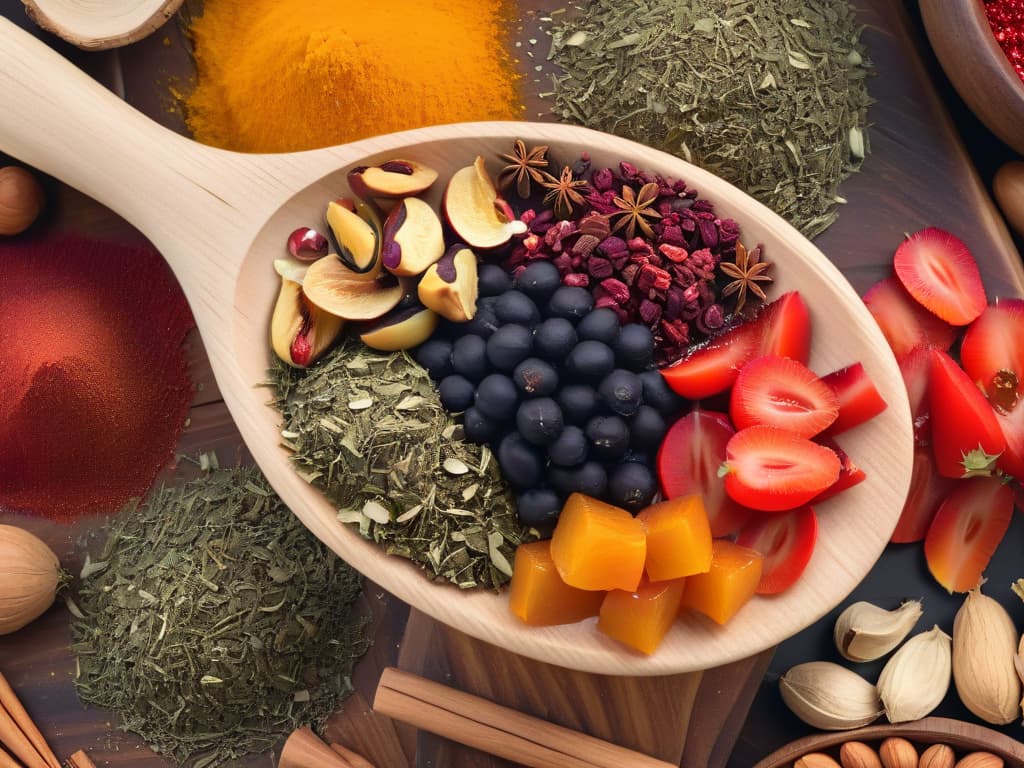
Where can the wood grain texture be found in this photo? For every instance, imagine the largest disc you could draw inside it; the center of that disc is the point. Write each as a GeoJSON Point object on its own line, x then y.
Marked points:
{"type": "Point", "coordinates": [979, 70]}
{"type": "Point", "coordinates": [234, 211]}
{"type": "Point", "coordinates": [97, 26]}
{"type": "Point", "coordinates": [963, 737]}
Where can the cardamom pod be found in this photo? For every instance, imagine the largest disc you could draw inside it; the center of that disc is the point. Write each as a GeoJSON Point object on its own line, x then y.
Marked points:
{"type": "Point", "coordinates": [829, 697]}
{"type": "Point", "coordinates": [984, 647]}
{"type": "Point", "coordinates": [915, 680]}
{"type": "Point", "coordinates": [865, 632]}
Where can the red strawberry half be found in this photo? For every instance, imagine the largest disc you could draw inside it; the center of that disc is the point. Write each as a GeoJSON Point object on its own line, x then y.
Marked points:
{"type": "Point", "coordinates": [786, 541]}
{"type": "Point", "coordinates": [784, 393]}
{"type": "Point", "coordinates": [939, 271]}
{"type": "Point", "coordinates": [992, 352]}
{"type": "Point", "coordinates": [905, 323]}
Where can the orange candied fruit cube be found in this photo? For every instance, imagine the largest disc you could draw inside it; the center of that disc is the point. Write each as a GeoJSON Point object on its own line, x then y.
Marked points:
{"type": "Point", "coordinates": [537, 594]}
{"type": "Point", "coordinates": [597, 546]}
{"type": "Point", "coordinates": [641, 619]}
{"type": "Point", "coordinates": [678, 538]}
{"type": "Point", "coordinates": [728, 585]}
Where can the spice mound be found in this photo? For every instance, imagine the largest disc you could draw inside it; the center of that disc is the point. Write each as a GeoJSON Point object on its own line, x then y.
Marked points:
{"type": "Point", "coordinates": [213, 622]}
{"type": "Point", "coordinates": [771, 96]}
{"type": "Point", "coordinates": [93, 373]}
{"type": "Point", "coordinates": [278, 76]}
{"type": "Point", "coordinates": [368, 429]}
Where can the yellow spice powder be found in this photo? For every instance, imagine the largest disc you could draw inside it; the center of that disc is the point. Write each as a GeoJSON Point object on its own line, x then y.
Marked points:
{"type": "Point", "coordinates": [286, 75]}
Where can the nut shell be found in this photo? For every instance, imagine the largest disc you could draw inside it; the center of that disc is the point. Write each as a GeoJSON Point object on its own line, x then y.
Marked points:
{"type": "Point", "coordinates": [21, 200]}
{"type": "Point", "coordinates": [857, 754]}
{"type": "Point", "coordinates": [937, 756]}
{"type": "Point", "coordinates": [980, 760]}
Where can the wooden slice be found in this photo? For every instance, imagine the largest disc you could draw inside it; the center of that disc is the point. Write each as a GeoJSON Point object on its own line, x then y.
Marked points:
{"type": "Point", "coordinates": [95, 26]}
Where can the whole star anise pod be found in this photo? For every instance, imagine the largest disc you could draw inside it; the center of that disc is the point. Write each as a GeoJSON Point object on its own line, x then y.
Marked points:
{"type": "Point", "coordinates": [635, 208]}
{"type": "Point", "coordinates": [747, 272]}
{"type": "Point", "coordinates": [523, 166]}
{"type": "Point", "coordinates": [563, 192]}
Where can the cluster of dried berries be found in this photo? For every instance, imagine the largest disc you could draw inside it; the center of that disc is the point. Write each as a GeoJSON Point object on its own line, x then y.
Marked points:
{"type": "Point", "coordinates": [645, 245]}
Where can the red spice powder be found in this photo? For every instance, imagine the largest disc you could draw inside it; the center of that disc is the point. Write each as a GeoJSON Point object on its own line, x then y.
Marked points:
{"type": "Point", "coordinates": [1006, 17]}
{"type": "Point", "coordinates": [94, 384]}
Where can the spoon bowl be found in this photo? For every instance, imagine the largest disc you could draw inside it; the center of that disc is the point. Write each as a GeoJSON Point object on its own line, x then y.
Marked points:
{"type": "Point", "coordinates": [221, 218]}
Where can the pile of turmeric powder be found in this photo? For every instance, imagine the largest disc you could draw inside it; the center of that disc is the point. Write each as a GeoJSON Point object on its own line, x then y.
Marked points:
{"type": "Point", "coordinates": [285, 75]}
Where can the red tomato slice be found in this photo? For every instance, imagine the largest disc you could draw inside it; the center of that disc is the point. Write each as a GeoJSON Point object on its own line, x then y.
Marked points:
{"type": "Point", "coordinates": [781, 328]}
{"type": "Point", "coordinates": [780, 392]}
{"type": "Point", "coordinates": [962, 419]}
{"type": "Point", "coordinates": [927, 491]}
{"type": "Point", "coordinates": [688, 462]}
{"type": "Point", "coordinates": [786, 541]}
{"type": "Point", "coordinates": [994, 344]}
{"type": "Point", "coordinates": [849, 473]}
{"type": "Point", "coordinates": [858, 398]}
{"type": "Point", "coordinates": [905, 323]}
{"type": "Point", "coordinates": [772, 470]}
{"type": "Point", "coordinates": [966, 530]}
{"type": "Point", "coordinates": [938, 270]}
{"type": "Point", "coordinates": [916, 369]}
{"type": "Point", "coordinates": [1012, 424]}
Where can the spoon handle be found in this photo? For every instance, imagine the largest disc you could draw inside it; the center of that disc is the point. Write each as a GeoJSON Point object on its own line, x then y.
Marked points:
{"type": "Point", "coordinates": [200, 206]}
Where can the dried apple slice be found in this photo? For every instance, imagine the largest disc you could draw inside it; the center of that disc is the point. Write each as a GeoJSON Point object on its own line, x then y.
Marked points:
{"type": "Point", "coordinates": [412, 238]}
{"type": "Point", "coordinates": [335, 288]}
{"type": "Point", "coordinates": [475, 211]}
{"type": "Point", "coordinates": [449, 287]}
{"type": "Point", "coordinates": [407, 325]}
{"type": "Point", "coordinates": [395, 178]}
{"type": "Point", "coordinates": [301, 332]}
{"type": "Point", "coordinates": [356, 230]}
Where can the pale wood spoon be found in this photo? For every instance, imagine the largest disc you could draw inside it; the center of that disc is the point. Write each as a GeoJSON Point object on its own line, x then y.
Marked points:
{"type": "Point", "coordinates": [221, 218]}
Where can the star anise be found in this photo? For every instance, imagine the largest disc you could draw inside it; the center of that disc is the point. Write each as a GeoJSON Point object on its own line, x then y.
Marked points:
{"type": "Point", "coordinates": [635, 208]}
{"type": "Point", "coordinates": [746, 273]}
{"type": "Point", "coordinates": [562, 192]}
{"type": "Point", "coordinates": [523, 165]}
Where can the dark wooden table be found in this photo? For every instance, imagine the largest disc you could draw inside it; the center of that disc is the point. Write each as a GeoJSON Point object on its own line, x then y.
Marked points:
{"type": "Point", "coordinates": [931, 164]}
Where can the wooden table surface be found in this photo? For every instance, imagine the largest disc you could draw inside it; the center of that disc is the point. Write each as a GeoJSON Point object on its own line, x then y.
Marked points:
{"type": "Point", "coordinates": [919, 173]}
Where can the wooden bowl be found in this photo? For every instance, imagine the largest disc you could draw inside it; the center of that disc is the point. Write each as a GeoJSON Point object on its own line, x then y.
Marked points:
{"type": "Point", "coordinates": [962, 737]}
{"type": "Point", "coordinates": [979, 70]}
{"type": "Point", "coordinates": [95, 25]}
{"type": "Point", "coordinates": [221, 218]}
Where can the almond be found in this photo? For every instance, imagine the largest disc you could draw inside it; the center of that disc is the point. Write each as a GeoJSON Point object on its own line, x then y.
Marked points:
{"type": "Point", "coordinates": [816, 760]}
{"type": "Point", "coordinates": [980, 760]}
{"type": "Point", "coordinates": [897, 753]}
{"type": "Point", "coordinates": [857, 754]}
{"type": "Point", "coordinates": [937, 756]}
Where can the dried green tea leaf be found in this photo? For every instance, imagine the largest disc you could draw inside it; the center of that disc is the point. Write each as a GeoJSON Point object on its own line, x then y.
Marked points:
{"type": "Point", "coordinates": [398, 469]}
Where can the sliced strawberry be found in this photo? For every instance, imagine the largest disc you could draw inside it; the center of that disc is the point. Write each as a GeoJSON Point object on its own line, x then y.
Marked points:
{"type": "Point", "coordinates": [849, 473]}
{"type": "Point", "coordinates": [786, 541]}
{"type": "Point", "coordinates": [691, 453]}
{"type": "Point", "coordinates": [927, 490]}
{"type": "Point", "coordinates": [965, 431]}
{"type": "Point", "coordinates": [858, 398]}
{"type": "Point", "coordinates": [916, 369]}
{"type": "Point", "coordinates": [992, 352]}
{"type": "Point", "coordinates": [783, 393]}
{"type": "Point", "coordinates": [938, 270]}
{"type": "Point", "coordinates": [905, 323]}
{"type": "Point", "coordinates": [1012, 459]}
{"type": "Point", "coordinates": [966, 530]}
{"type": "Point", "coordinates": [781, 328]}
{"type": "Point", "coordinates": [772, 470]}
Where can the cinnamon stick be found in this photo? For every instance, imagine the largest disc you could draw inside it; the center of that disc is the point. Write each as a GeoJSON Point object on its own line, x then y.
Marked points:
{"type": "Point", "coordinates": [6, 761]}
{"type": "Point", "coordinates": [354, 759]}
{"type": "Point", "coordinates": [495, 729]}
{"type": "Point", "coordinates": [12, 737]}
{"type": "Point", "coordinates": [81, 760]}
{"type": "Point", "coordinates": [10, 702]}
{"type": "Point", "coordinates": [304, 749]}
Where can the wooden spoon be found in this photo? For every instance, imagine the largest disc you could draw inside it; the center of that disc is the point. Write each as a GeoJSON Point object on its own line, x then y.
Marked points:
{"type": "Point", "coordinates": [97, 25]}
{"type": "Point", "coordinates": [221, 218]}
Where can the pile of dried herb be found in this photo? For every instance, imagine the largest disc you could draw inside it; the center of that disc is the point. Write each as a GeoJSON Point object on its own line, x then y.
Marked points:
{"type": "Point", "coordinates": [213, 622]}
{"type": "Point", "coordinates": [768, 94]}
{"type": "Point", "coordinates": [369, 430]}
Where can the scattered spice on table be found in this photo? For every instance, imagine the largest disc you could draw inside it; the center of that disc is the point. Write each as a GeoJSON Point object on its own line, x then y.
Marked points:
{"type": "Point", "coordinates": [369, 430]}
{"type": "Point", "coordinates": [769, 95]}
{"type": "Point", "coordinates": [277, 75]}
{"type": "Point", "coordinates": [213, 622]}
{"type": "Point", "coordinates": [1006, 17]}
{"type": "Point", "coordinates": [93, 375]}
